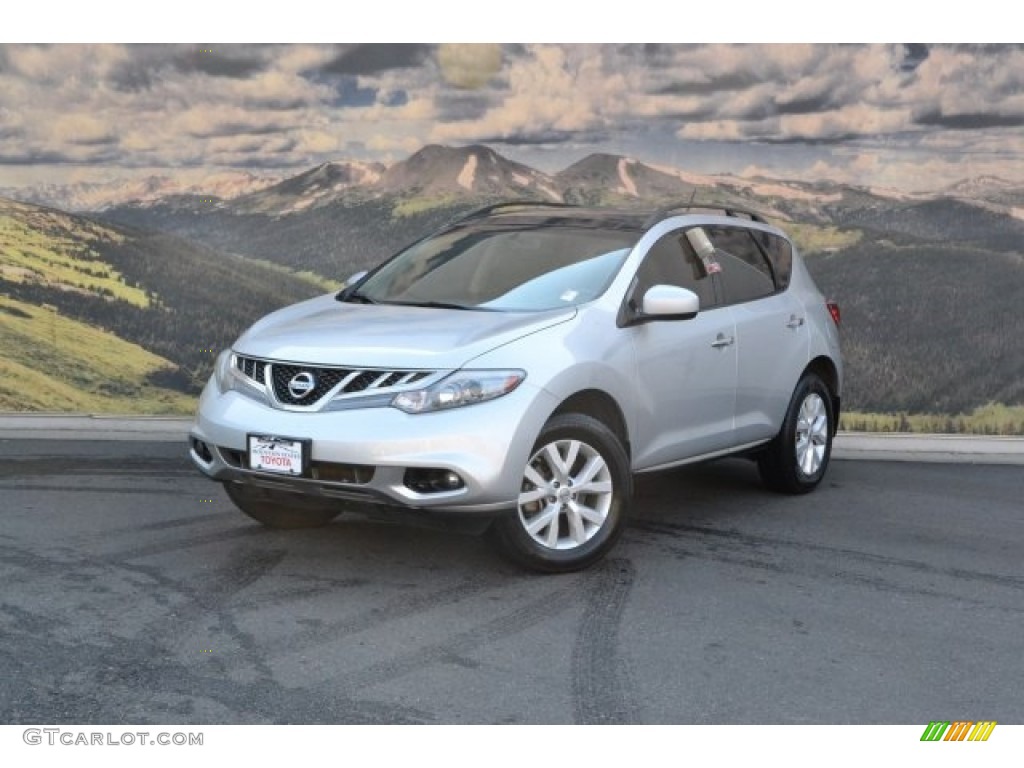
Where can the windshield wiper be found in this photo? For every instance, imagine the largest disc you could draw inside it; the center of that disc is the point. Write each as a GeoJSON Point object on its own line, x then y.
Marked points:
{"type": "Point", "coordinates": [436, 305]}
{"type": "Point", "coordinates": [357, 298]}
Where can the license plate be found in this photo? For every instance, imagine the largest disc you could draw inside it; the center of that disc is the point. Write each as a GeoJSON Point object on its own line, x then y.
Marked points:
{"type": "Point", "coordinates": [277, 454]}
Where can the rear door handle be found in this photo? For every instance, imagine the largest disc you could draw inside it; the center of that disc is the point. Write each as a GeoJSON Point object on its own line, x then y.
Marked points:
{"type": "Point", "coordinates": [794, 322]}
{"type": "Point", "coordinates": [723, 341]}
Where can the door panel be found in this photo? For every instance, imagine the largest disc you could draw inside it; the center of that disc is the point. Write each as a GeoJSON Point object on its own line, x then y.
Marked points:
{"type": "Point", "coordinates": [685, 387]}
{"type": "Point", "coordinates": [685, 369]}
{"type": "Point", "coordinates": [772, 344]}
{"type": "Point", "coordinates": [771, 331]}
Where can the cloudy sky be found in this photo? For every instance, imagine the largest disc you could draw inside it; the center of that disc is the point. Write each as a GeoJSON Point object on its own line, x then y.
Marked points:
{"type": "Point", "coordinates": [906, 116]}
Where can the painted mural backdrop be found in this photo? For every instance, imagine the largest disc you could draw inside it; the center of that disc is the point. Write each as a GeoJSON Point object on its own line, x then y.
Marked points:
{"type": "Point", "coordinates": [155, 199]}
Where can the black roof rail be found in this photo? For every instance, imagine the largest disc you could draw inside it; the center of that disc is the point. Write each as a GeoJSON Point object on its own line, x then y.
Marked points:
{"type": "Point", "coordinates": [478, 212]}
{"type": "Point", "coordinates": [728, 210]}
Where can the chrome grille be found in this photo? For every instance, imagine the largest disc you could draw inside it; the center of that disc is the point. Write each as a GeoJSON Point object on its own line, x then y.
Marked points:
{"type": "Point", "coordinates": [325, 379]}
{"type": "Point", "coordinates": [251, 368]}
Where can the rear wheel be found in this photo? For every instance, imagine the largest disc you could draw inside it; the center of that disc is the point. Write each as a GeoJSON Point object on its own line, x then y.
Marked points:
{"type": "Point", "coordinates": [796, 460]}
{"type": "Point", "coordinates": [573, 499]}
{"type": "Point", "coordinates": [278, 509]}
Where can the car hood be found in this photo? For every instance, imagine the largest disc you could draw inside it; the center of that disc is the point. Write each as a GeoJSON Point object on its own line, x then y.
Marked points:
{"type": "Point", "coordinates": [324, 331]}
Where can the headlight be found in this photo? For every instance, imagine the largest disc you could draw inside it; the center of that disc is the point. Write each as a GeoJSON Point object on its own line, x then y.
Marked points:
{"type": "Point", "coordinates": [459, 389]}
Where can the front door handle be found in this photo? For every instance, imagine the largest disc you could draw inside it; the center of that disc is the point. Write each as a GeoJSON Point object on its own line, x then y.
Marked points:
{"type": "Point", "coordinates": [794, 322]}
{"type": "Point", "coordinates": [723, 341]}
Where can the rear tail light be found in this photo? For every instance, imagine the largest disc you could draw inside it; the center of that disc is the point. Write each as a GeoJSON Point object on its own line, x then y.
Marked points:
{"type": "Point", "coordinates": [833, 309]}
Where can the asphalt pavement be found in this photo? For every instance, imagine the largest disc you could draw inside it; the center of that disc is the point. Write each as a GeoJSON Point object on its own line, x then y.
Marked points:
{"type": "Point", "coordinates": [133, 592]}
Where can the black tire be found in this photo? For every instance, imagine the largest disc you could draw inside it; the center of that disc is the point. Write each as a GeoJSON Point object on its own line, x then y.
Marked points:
{"type": "Point", "coordinates": [279, 509]}
{"type": "Point", "coordinates": [789, 464]}
{"type": "Point", "coordinates": [582, 525]}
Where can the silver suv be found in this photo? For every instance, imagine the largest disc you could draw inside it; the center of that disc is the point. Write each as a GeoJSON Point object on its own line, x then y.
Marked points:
{"type": "Point", "coordinates": [518, 367]}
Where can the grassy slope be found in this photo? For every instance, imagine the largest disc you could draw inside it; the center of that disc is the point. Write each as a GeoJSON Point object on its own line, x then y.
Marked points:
{"type": "Point", "coordinates": [991, 419]}
{"type": "Point", "coordinates": [52, 363]}
{"type": "Point", "coordinates": [816, 238]}
{"type": "Point", "coordinates": [100, 318]}
{"type": "Point", "coordinates": [35, 245]}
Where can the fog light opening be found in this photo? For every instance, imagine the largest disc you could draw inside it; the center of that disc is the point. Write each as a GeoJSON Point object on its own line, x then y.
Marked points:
{"type": "Point", "coordinates": [433, 480]}
{"type": "Point", "coordinates": [202, 450]}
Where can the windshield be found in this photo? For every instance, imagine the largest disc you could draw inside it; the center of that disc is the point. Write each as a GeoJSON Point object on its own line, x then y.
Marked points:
{"type": "Point", "coordinates": [504, 268]}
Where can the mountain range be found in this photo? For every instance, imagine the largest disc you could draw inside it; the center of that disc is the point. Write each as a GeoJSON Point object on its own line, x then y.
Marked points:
{"type": "Point", "coordinates": [86, 196]}
{"type": "Point", "coordinates": [929, 284]}
{"type": "Point", "coordinates": [476, 171]}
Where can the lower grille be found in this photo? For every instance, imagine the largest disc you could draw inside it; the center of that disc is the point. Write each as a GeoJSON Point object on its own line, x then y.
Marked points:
{"type": "Point", "coordinates": [326, 471]}
{"type": "Point", "coordinates": [353, 474]}
{"type": "Point", "coordinates": [233, 458]}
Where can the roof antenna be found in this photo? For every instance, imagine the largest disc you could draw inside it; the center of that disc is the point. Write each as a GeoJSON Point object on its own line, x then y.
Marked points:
{"type": "Point", "coordinates": [693, 194]}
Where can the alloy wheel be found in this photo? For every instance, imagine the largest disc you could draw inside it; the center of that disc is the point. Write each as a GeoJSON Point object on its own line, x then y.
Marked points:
{"type": "Point", "coordinates": [566, 494]}
{"type": "Point", "coordinates": [811, 434]}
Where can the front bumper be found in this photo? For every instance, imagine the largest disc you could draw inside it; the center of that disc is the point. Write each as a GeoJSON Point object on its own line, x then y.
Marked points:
{"type": "Point", "coordinates": [363, 455]}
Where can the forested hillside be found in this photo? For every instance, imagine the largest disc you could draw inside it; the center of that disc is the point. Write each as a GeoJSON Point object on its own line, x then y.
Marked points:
{"type": "Point", "coordinates": [333, 240]}
{"type": "Point", "coordinates": [927, 328]}
{"type": "Point", "coordinates": [161, 294]}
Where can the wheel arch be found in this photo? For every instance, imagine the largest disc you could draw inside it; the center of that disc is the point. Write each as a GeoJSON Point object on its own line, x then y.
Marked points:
{"type": "Point", "coordinates": [599, 405]}
{"type": "Point", "coordinates": [826, 370]}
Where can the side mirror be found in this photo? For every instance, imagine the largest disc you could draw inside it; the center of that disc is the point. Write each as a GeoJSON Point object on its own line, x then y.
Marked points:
{"type": "Point", "coordinates": [669, 302]}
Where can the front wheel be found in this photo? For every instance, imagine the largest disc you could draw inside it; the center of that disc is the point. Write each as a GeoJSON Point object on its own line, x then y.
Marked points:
{"type": "Point", "coordinates": [573, 499]}
{"type": "Point", "coordinates": [279, 509]}
{"type": "Point", "coordinates": [796, 460]}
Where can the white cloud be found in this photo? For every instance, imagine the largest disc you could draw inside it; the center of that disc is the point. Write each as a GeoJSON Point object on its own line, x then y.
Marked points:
{"type": "Point", "coordinates": [848, 120]}
{"type": "Point", "coordinates": [714, 130]}
{"type": "Point", "coordinates": [388, 145]}
{"type": "Point", "coordinates": [469, 65]}
{"type": "Point", "coordinates": [78, 128]}
{"type": "Point", "coordinates": [157, 106]}
{"type": "Point", "coordinates": [316, 142]}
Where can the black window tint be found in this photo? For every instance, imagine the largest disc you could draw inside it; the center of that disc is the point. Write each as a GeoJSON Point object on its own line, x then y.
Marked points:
{"type": "Point", "coordinates": [780, 253]}
{"type": "Point", "coordinates": [745, 275]}
{"type": "Point", "coordinates": [672, 261]}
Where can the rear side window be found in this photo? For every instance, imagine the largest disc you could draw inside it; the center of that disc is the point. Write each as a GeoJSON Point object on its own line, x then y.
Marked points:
{"type": "Point", "coordinates": [745, 272]}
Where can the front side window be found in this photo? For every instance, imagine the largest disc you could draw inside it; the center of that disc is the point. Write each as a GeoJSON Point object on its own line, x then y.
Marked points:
{"type": "Point", "coordinates": [672, 261]}
{"type": "Point", "coordinates": [505, 267]}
